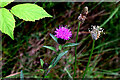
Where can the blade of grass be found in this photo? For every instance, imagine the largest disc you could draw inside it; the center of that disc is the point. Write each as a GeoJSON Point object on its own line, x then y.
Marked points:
{"type": "Point", "coordinates": [96, 6]}
{"type": "Point", "coordinates": [59, 57]}
{"type": "Point", "coordinates": [68, 73]}
{"type": "Point", "coordinates": [21, 75]}
{"type": "Point", "coordinates": [113, 13]}
{"type": "Point", "coordinates": [101, 45]}
{"type": "Point", "coordinates": [56, 61]}
{"type": "Point", "coordinates": [106, 43]}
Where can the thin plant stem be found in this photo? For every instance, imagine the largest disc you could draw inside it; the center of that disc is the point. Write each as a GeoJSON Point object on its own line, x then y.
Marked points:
{"type": "Point", "coordinates": [89, 59]}
{"type": "Point", "coordinates": [45, 74]}
{"type": "Point", "coordinates": [20, 23]}
{"type": "Point", "coordinates": [76, 51]}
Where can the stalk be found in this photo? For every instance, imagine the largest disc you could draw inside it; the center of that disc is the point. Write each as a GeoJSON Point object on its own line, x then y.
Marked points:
{"type": "Point", "coordinates": [89, 59]}
{"type": "Point", "coordinates": [76, 51]}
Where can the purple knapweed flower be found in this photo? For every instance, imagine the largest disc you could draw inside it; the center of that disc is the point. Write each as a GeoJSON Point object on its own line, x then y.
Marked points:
{"type": "Point", "coordinates": [63, 33]}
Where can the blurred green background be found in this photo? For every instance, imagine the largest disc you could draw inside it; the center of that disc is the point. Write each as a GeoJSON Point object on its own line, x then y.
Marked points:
{"type": "Point", "coordinates": [25, 51]}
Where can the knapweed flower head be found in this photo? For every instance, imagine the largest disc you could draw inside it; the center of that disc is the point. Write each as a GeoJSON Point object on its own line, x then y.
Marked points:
{"type": "Point", "coordinates": [95, 32]}
{"type": "Point", "coordinates": [63, 33]}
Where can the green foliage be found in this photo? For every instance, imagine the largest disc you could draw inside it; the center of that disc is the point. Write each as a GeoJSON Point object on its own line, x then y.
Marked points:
{"type": "Point", "coordinates": [113, 13]}
{"type": "Point", "coordinates": [52, 61]}
{"type": "Point", "coordinates": [49, 66]}
{"type": "Point", "coordinates": [7, 22]}
{"type": "Point", "coordinates": [42, 70]}
{"type": "Point", "coordinates": [54, 38]}
{"type": "Point", "coordinates": [4, 3]}
{"type": "Point", "coordinates": [60, 47]}
{"type": "Point", "coordinates": [106, 48]}
{"type": "Point", "coordinates": [68, 73]}
{"type": "Point", "coordinates": [29, 12]}
{"type": "Point", "coordinates": [58, 57]}
{"type": "Point", "coordinates": [51, 48]}
{"type": "Point", "coordinates": [21, 75]}
{"type": "Point", "coordinates": [70, 44]}
{"type": "Point", "coordinates": [42, 62]}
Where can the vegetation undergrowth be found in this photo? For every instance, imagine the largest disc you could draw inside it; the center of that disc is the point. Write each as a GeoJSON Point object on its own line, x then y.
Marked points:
{"type": "Point", "coordinates": [34, 49]}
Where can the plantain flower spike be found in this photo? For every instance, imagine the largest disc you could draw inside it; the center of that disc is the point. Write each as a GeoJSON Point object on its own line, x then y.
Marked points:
{"type": "Point", "coordinates": [95, 32]}
{"type": "Point", "coordinates": [83, 15]}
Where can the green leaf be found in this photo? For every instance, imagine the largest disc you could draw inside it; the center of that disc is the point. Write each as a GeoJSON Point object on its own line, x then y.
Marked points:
{"type": "Point", "coordinates": [29, 12]}
{"type": "Point", "coordinates": [71, 44]}
{"type": "Point", "coordinates": [52, 61]}
{"type": "Point", "coordinates": [68, 73]}
{"type": "Point", "coordinates": [42, 62]}
{"type": "Point", "coordinates": [51, 48]}
{"type": "Point", "coordinates": [60, 47]}
{"type": "Point", "coordinates": [58, 58]}
{"type": "Point", "coordinates": [55, 39]}
{"type": "Point", "coordinates": [49, 66]}
{"type": "Point", "coordinates": [21, 75]}
{"type": "Point", "coordinates": [47, 77]}
{"type": "Point", "coordinates": [4, 3]}
{"type": "Point", "coordinates": [7, 22]}
{"type": "Point", "coordinates": [42, 70]}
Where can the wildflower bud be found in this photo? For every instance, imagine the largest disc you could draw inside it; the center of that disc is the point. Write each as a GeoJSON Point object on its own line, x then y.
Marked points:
{"type": "Point", "coordinates": [95, 32]}
{"type": "Point", "coordinates": [85, 11]}
{"type": "Point", "coordinates": [81, 18]}
{"type": "Point", "coordinates": [83, 15]}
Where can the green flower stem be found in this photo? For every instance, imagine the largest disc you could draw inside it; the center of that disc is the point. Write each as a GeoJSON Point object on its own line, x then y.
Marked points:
{"type": "Point", "coordinates": [76, 52]}
{"type": "Point", "coordinates": [89, 59]}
